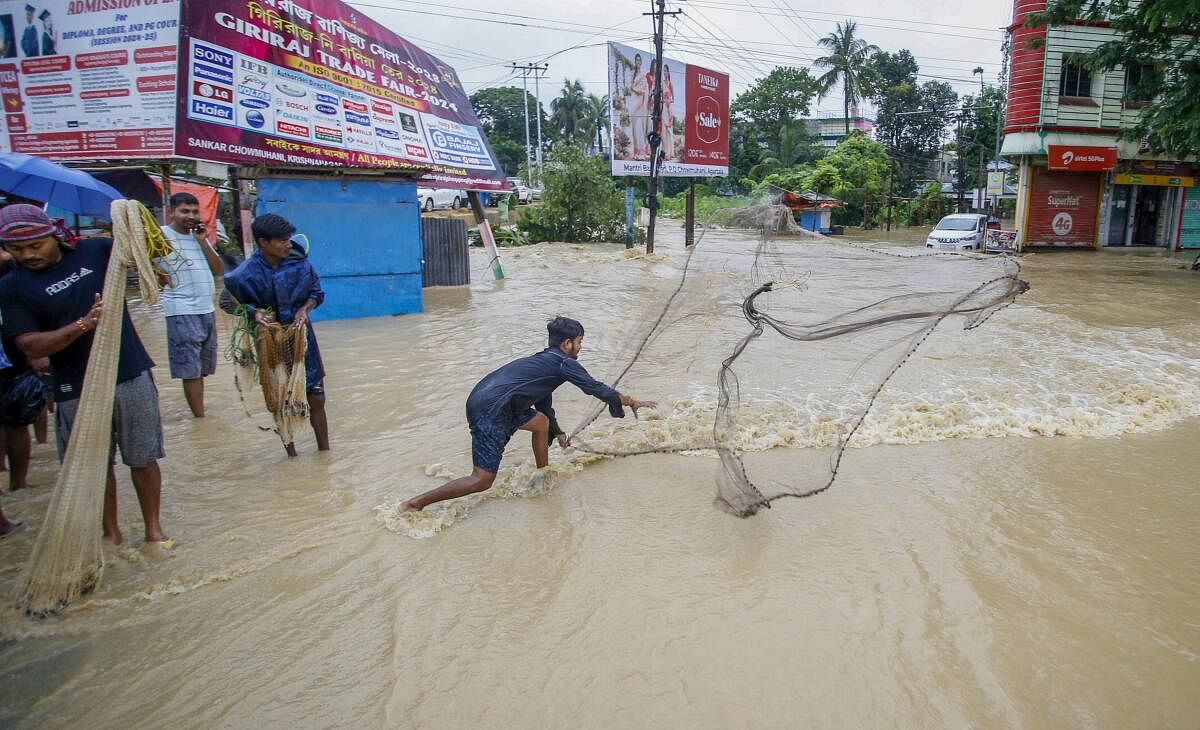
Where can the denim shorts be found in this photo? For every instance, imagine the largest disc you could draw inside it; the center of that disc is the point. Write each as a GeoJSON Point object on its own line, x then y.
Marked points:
{"type": "Point", "coordinates": [490, 434]}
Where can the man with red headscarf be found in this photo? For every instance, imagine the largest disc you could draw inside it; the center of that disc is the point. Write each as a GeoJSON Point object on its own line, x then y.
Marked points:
{"type": "Point", "coordinates": [51, 306]}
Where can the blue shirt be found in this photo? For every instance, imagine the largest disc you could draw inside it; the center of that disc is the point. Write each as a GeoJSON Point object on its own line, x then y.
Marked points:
{"type": "Point", "coordinates": [530, 381]}
{"type": "Point", "coordinates": [283, 289]}
{"type": "Point", "coordinates": [45, 300]}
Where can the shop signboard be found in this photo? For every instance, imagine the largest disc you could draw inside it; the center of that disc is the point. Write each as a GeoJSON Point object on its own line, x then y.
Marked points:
{"type": "Point", "coordinates": [695, 115]}
{"type": "Point", "coordinates": [1063, 208]}
{"type": "Point", "coordinates": [1081, 158]}
{"type": "Point", "coordinates": [995, 183]}
{"type": "Point", "coordinates": [999, 241]}
{"type": "Point", "coordinates": [88, 79]}
{"type": "Point", "coordinates": [1172, 181]}
{"type": "Point", "coordinates": [1189, 229]}
{"type": "Point", "coordinates": [316, 82]}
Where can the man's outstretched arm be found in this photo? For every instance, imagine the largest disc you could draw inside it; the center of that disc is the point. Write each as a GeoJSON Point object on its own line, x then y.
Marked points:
{"type": "Point", "coordinates": [577, 375]}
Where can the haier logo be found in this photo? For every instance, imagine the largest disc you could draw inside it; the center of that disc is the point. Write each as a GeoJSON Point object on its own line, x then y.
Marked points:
{"type": "Point", "coordinates": [67, 282]}
{"type": "Point", "coordinates": [208, 109]}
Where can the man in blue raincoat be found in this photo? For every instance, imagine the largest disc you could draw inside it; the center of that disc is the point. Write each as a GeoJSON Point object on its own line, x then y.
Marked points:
{"type": "Point", "coordinates": [279, 284]}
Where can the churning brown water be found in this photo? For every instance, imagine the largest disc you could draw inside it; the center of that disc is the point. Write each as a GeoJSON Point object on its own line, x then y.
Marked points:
{"type": "Point", "coordinates": [1012, 541]}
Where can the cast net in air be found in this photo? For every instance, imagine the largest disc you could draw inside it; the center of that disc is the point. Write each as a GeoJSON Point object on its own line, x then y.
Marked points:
{"type": "Point", "coordinates": [815, 341]}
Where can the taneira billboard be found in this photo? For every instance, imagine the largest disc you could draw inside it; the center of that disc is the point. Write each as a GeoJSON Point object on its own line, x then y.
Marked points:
{"type": "Point", "coordinates": [88, 79]}
{"type": "Point", "coordinates": [695, 115]}
{"type": "Point", "coordinates": [317, 83]}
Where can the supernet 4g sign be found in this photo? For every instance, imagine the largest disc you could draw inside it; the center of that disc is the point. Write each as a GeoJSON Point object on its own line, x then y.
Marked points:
{"type": "Point", "coordinates": [695, 115]}
{"type": "Point", "coordinates": [88, 79]}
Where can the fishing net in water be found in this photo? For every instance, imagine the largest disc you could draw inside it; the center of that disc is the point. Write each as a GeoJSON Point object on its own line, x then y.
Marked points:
{"type": "Point", "coordinates": [791, 340]}
{"type": "Point", "coordinates": [67, 557]}
{"type": "Point", "coordinates": [275, 354]}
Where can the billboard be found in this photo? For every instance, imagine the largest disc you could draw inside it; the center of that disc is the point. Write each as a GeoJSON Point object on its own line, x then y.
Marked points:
{"type": "Point", "coordinates": [88, 79]}
{"type": "Point", "coordinates": [315, 82]}
{"type": "Point", "coordinates": [695, 115]}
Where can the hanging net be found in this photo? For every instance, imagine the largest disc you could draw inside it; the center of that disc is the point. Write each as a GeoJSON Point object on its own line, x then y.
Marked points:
{"type": "Point", "coordinates": [815, 335]}
{"type": "Point", "coordinates": [274, 355]}
{"type": "Point", "coordinates": [67, 558]}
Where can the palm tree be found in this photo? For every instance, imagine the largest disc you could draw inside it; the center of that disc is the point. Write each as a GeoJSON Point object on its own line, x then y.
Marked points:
{"type": "Point", "coordinates": [597, 119]}
{"type": "Point", "coordinates": [569, 111]}
{"type": "Point", "coordinates": [848, 62]}
{"type": "Point", "coordinates": [791, 149]}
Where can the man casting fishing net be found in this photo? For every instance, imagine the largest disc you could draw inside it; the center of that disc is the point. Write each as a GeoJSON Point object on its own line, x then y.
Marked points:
{"type": "Point", "coordinates": [518, 396]}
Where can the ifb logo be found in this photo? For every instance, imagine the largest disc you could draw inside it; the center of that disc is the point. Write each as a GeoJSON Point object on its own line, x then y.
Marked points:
{"type": "Point", "coordinates": [1062, 223]}
{"type": "Point", "coordinates": [1067, 158]}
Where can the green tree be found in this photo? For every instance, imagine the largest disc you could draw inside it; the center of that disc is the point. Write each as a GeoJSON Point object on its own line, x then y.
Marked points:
{"type": "Point", "coordinates": [580, 203]}
{"type": "Point", "coordinates": [596, 120]}
{"type": "Point", "coordinates": [793, 145]}
{"type": "Point", "coordinates": [569, 112]}
{"type": "Point", "coordinates": [979, 129]}
{"type": "Point", "coordinates": [912, 140]}
{"type": "Point", "coordinates": [1162, 38]}
{"type": "Point", "coordinates": [848, 62]}
{"type": "Point", "coordinates": [855, 172]}
{"type": "Point", "coordinates": [503, 121]}
{"type": "Point", "coordinates": [775, 101]}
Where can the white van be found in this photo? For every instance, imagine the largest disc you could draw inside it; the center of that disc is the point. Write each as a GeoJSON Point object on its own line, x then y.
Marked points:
{"type": "Point", "coordinates": [959, 232]}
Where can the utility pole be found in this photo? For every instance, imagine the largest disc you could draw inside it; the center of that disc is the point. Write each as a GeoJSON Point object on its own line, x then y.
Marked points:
{"type": "Point", "coordinates": [962, 173]}
{"type": "Point", "coordinates": [537, 98]}
{"type": "Point", "coordinates": [654, 137]}
{"type": "Point", "coordinates": [525, 70]}
{"type": "Point", "coordinates": [982, 179]}
{"type": "Point", "coordinates": [996, 160]}
{"type": "Point", "coordinates": [525, 107]}
{"type": "Point", "coordinates": [891, 193]}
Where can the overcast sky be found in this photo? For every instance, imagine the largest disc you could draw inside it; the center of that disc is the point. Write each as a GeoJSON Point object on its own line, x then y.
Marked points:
{"type": "Point", "coordinates": [746, 40]}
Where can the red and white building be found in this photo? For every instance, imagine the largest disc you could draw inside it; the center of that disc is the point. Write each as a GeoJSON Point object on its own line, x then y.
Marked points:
{"type": "Point", "coordinates": [1080, 184]}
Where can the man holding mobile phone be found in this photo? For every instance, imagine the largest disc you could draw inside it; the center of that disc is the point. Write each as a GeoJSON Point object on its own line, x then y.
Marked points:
{"type": "Point", "coordinates": [188, 299]}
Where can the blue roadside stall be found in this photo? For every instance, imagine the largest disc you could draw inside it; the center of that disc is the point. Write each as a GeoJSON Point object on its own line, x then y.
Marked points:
{"type": "Point", "coordinates": [364, 232]}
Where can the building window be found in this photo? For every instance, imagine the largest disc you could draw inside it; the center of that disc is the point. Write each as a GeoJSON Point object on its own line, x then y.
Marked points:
{"type": "Point", "coordinates": [1134, 76]}
{"type": "Point", "coordinates": [1075, 80]}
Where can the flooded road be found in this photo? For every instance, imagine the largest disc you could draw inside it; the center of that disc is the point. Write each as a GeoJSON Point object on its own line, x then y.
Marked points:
{"type": "Point", "coordinates": [1012, 540]}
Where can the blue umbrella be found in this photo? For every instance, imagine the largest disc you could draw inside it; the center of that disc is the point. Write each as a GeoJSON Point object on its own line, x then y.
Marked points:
{"type": "Point", "coordinates": [40, 179]}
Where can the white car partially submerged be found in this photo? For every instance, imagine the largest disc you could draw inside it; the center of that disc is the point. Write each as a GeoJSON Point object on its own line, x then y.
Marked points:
{"type": "Point", "coordinates": [958, 232]}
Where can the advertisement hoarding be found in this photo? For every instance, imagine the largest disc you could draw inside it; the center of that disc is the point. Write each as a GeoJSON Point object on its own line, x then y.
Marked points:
{"type": "Point", "coordinates": [695, 115]}
{"type": "Point", "coordinates": [315, 82]}
{"type": "Point", "coordinates": [1079, 158]}
{"type": "Point", "coordinates": [81, 81]}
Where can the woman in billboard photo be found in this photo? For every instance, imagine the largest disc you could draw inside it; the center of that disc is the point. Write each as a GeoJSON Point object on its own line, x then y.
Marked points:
{"type": "Point", "coordinates": [637, 108]}
{"type": "Point", "coordinates": [667, 123]}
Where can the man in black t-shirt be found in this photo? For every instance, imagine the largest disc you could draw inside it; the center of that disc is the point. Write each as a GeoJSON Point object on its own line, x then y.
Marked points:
{"type": "Point", "coordinates": [51, 306]}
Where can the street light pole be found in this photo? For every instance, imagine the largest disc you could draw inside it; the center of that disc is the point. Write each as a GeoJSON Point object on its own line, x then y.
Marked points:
{"type": "Point", "coordinates": [982, 181]}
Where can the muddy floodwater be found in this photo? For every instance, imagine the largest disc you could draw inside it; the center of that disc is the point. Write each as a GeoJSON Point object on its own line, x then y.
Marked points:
{"type": "Point", "coordinates": [1013, 539]}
